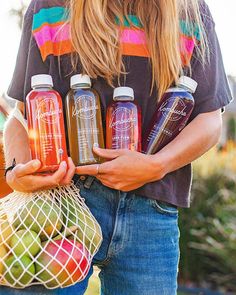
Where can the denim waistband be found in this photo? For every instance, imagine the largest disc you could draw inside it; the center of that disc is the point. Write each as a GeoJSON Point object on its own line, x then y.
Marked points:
{"type": "Point", "coordinates": [87, 181]}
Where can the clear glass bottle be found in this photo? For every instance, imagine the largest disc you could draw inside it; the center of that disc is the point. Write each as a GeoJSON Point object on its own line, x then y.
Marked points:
{"type": "Point", "coordinates": [46, 124]}
{"type": "Point", "coordinates": [84, 121]}
{"type": "Point", "coordinates": [172, 114]}
{"type": "Point", "coordinates": [123, 121]}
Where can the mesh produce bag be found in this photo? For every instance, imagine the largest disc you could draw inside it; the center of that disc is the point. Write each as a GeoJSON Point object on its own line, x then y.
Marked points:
{"type": "Point", "coordinates": [47, 238]}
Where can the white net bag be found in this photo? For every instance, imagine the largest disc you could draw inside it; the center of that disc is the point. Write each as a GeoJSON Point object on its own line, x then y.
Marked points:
{"type": "Point", "coordinates": [47, 238]}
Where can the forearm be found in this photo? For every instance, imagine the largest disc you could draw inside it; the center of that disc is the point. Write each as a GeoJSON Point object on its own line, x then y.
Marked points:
{"type": "Point", "coordinates": [196, 139]}
{"type": "Point", "coordinates": [16, 144]}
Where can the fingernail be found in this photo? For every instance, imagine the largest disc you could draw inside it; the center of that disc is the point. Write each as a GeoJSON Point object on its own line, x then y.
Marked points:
{"type": "Point", "coordinates": [64, 165]}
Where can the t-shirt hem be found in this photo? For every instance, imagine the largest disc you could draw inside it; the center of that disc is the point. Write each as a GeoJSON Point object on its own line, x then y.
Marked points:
{"type": "Point", "coordinates": [167, 197]}
{"type": "Point", "coordinates": [211, 106]}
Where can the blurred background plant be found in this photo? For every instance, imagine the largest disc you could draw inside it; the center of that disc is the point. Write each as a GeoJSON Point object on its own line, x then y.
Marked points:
{"type": "Point", "coordinates": [19, 12]}
{"type": "Point", "coordinates": [208, 228]}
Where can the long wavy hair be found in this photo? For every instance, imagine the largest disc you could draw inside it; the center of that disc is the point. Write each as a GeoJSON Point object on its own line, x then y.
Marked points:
{"type": "Point", "coordinates": [95, 36]}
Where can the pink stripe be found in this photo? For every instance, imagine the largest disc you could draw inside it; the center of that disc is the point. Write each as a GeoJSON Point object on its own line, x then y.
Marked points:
{"type": "Point", "coordinates": [187, 45]}
{"type": "Point", "coordinates": [54, 34]}
{"type": "Point", "coordinates": [133, 36]}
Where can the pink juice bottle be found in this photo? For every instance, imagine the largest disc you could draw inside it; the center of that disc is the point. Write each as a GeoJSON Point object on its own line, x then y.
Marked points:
{"type": "Point", "coordinates": [123, 121]}
{"type": "Point", "coordinates": [46, 124]}
{"type": "Point", "coordinates": [172, 114]}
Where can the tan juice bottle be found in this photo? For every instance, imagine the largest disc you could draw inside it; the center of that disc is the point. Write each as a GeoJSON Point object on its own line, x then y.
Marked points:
{"type": "Point", "coordinates": [84, 121]}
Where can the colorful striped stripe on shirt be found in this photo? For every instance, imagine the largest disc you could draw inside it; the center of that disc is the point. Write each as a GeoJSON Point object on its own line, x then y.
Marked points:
{"type": "Point", "coordinates": [52, 34]}
{"type": "Point", "coordinates": [51, 31]}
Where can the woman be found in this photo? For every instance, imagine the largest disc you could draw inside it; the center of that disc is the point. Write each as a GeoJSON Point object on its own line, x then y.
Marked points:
{"type": "Point", "coordinates": [135, 197]}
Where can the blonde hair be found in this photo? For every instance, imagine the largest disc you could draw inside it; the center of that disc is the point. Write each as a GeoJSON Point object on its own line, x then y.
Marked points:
{"type": "Point", "coordinates": [95, 36]}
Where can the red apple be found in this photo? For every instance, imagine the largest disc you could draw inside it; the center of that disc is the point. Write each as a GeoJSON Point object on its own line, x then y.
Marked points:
{"type": "Point", "coordinates": [62, 263]}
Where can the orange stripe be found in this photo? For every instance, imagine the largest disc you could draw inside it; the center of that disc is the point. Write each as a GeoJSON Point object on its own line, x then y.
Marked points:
{"type": "Point", "coordinates": [186, 59]}
{"type": "Point", "coordinates": [134, 50]}
{"type": "Point", "coordinates": [48, 24]}
{"type": "Point", "coordinates": [57, 49]}
{"type": "Point", "coordinates": [65, 47]}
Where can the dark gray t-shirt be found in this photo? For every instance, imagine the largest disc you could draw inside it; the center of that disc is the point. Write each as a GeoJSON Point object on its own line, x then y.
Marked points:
{"type": "Point", "coordinates": [45, 48]}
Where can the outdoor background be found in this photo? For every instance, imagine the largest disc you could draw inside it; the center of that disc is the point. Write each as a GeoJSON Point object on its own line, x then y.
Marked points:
{"type": "Point", "coordinates": [208, 229]}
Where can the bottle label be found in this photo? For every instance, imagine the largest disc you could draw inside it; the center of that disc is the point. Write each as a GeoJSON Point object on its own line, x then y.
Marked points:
{"type": "Point", "coordinates": [174, 108]}
{"type": "Point", "coordinates": [48, 111]}
{"type": "Point", "coordinates": [122, 119]}
{"type": "Point", "coordinates": [85, 107]}
{"type": "Point", "coordinates": [157, 130]}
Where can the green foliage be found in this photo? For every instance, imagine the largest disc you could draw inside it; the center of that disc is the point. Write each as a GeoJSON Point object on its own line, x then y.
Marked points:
{"type": "Point", "coordinates": [208, 232]}
{"type": "Point", "coordinates": [231, 129]}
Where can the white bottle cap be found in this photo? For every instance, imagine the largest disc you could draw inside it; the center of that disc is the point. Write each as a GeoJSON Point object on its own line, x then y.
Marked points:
{"type": "Point", "coordinates": [80, 79]}
{"type": "Point", "coordinates": [41, 80]}
{"type": "Point", "coordinates": [120, 92]}
{"type": "Point", "coordinates": [188, 83]}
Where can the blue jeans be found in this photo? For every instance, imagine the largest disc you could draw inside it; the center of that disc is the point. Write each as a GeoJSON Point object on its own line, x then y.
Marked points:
{"type": "Point", "coordinates": [139, 254]}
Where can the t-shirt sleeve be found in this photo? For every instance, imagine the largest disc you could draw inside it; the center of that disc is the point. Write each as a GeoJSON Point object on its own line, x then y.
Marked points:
{"type": "Point", "coordinates": [29, 61]}
{"type": "Point", "coordinates": [213, 90]}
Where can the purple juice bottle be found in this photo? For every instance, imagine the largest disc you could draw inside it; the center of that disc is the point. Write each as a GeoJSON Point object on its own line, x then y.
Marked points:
{"type": "Point", "coordinates": [172, 114]}
{"type": "Point", "coordinates": [123, 121]}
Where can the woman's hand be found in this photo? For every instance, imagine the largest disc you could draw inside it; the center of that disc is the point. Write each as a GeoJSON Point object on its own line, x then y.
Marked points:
{"type": "Point", "coordinates": [22, 177]}
{"type": "Point", "coordinates": [126, 171]}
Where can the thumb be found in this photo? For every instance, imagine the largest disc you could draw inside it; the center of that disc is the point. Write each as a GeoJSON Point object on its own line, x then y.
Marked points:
{"type": "Point", "coordinates": [108, 153]}
{"type": "Point", "coordinates": [28, 168]}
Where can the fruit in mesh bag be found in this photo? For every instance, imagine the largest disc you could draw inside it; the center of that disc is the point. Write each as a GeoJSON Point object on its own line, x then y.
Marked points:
{"type": "Point", "coordinates": [19, 271]}
{"type": "Point", "coordinates": [62, 263]}
{"type": "Point", "coordinates": [6, 230]}
{"type": "Point", "coordinates": [42, 216]}
{"type": "Point", "coordinates": [3, 255]}
{"type": "Point", "coordinates": [26, 242]}
{"type": "Point", "coordinates": [89, 231]}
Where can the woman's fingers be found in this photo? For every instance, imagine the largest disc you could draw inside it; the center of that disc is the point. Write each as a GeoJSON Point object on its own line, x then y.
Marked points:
{"type": "Point", "coordinates": [26, 169]}
{"type": "Point", "coordinates": [57, 176]}
{"type": "Point", "coordinates": [22, 177]}
{"type": "Point", "coordinates": [34, 182]}
{"type": "Point", "coordinates": [109, 153]}
{"type": "Point", "coordinates": [89, 169]}
{"type": "Point", "coordinates": [70, 173]}
{"type": "Point", "coordinates": [108, 184]}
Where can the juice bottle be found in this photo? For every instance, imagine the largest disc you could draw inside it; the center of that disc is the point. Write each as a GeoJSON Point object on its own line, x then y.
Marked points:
{"type": "Point", "coordinates": [46, 124]}
{"type": "Point", "coordinates": [123, 121]}
{"type": "Point", "coordinates": [172, 114]}
{"type": "Point", "coordinates": [84, 121]}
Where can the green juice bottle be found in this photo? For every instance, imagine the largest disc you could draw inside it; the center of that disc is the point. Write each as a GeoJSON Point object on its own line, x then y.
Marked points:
{"type": "Point", "coordinates": [84, 121]}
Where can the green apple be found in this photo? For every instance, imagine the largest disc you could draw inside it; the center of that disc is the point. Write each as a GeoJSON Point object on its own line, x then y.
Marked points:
{"type": "Point", "coordinates": [42, 216]}
{"type": "Point", "coordinates": [26, 242]}
{"type": "Point", "coordinates": [19, 269]}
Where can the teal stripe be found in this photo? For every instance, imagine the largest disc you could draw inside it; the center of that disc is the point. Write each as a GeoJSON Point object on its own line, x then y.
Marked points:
{"type": "Point", "coordinates": [190, 29]}
{"type": "Point", "coordinates": [131, 21]}
{"type": "Point", "coordinates": [50, 15]}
